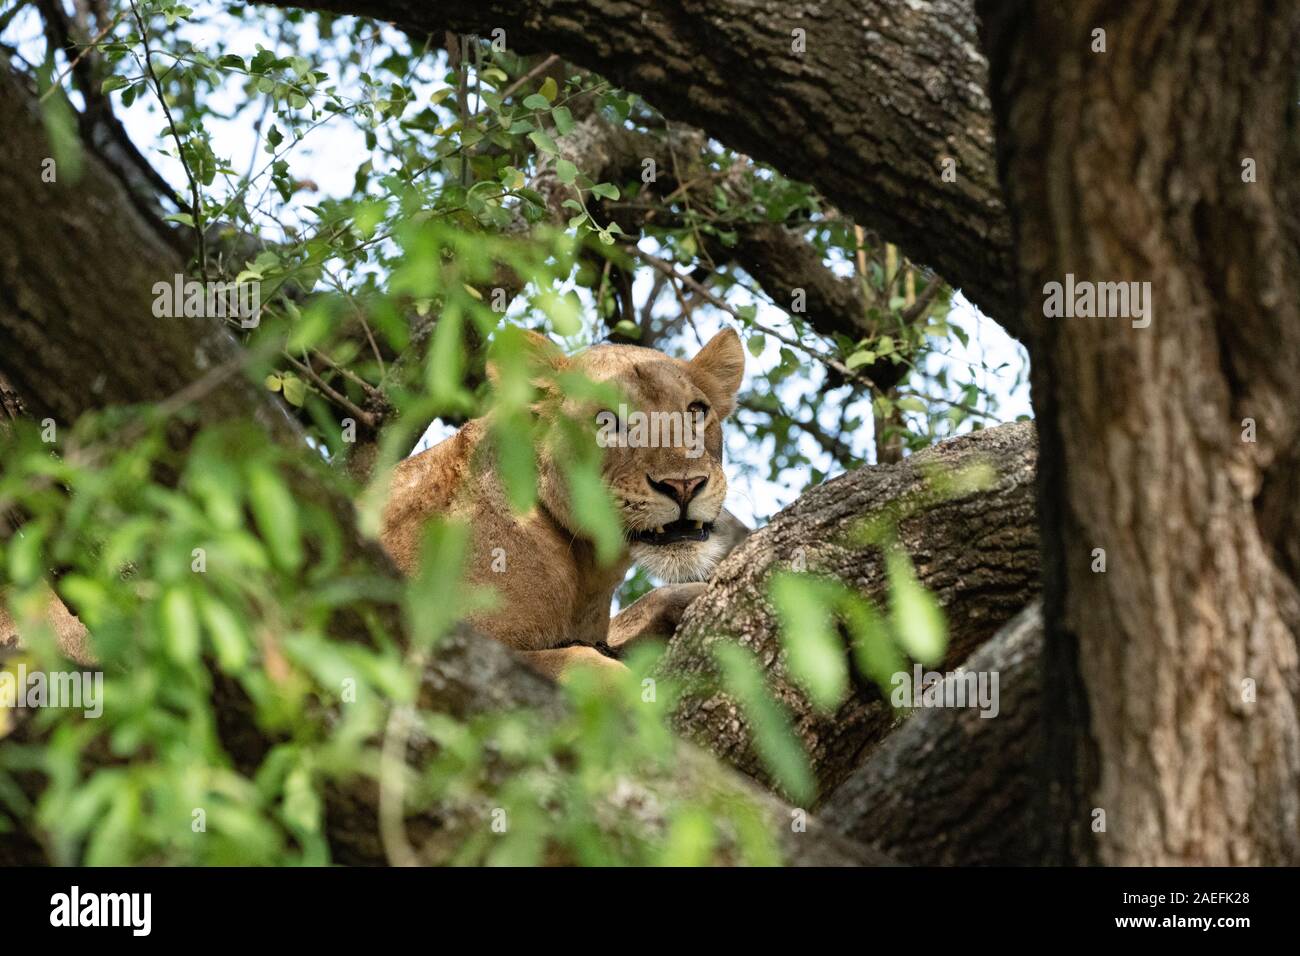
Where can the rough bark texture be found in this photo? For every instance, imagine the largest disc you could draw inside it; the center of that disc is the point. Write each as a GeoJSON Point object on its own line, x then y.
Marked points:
{"type": "Point", "coordinates": [1127, 165]}
{"type": "Point", "coordinates": [977, 552]}
{"type": "Point", "coordinates": [50, 342]}
{"type": "Point", "coordinates": [884, 90]}
{"type": "Point", "coordinates": [77, 270]}
{"type": "Point", "coordinates": [950, 787]}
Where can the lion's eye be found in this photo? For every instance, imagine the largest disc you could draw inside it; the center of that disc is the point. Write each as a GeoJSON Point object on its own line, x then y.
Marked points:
{"type": "Point", "coordinates": [698, 408]}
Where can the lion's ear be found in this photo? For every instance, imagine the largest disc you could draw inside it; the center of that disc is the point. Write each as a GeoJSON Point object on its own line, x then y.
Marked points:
{"type": "Point", "coordinates": [540, 355]}
{"type": "Point", "coordinates": [723, 361]}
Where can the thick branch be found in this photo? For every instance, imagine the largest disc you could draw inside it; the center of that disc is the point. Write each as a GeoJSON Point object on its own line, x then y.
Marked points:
{"type": "Point", "coordinates": [978, 553]}
{"type": "Point", "coordinates": [951, 787]}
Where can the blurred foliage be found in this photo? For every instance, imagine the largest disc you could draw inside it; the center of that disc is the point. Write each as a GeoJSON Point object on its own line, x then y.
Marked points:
{"type": "Point", "coordinates": [225, 575]}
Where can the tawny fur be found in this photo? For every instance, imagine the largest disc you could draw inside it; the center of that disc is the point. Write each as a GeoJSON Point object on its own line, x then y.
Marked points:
{"type": "Point", "coordinates": [552, 591]}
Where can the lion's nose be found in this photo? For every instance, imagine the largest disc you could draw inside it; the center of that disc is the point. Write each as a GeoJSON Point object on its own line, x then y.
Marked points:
{"type": "Point", "coordinates": [680, 490]}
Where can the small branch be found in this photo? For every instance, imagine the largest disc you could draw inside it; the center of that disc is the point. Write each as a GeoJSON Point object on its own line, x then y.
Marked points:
{"type": "Point", "coordinates": [374, 393]}
{"type": "Point", "coordinates": [332, 394]}
{"type": "Point", "coordinates": [531, 74]}
{"type": "Point", "coordinates": [58, 81]}
{"type": "Point", "coordinates": [917, 308]}
{"type": "Point", "coordinates": [671, 272]}
{"type": "Point", "coordinates": [197, 213]}
{"type": "Point", "coordinates": [833, 446]}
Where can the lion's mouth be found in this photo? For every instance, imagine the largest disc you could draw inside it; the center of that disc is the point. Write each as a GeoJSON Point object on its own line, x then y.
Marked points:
{"type": "Point", "coordinates": [680, 530]}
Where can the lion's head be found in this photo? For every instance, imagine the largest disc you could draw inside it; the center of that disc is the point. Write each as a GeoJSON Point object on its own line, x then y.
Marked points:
{"type": "Point", "coordinates": [662, 448]}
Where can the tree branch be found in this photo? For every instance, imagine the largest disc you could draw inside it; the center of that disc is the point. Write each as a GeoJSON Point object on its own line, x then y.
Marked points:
{"type": "Point", "coordinates": [976, 551]}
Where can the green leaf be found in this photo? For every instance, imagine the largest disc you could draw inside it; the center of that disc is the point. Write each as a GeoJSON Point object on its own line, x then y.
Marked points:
{"type": "Point", "coordinates": [564, 311]}
{"type": "Point", "coordinates": [294, 389]}
{"type": "Point", "coordinates": [814, 652]}
{"type": "Point", "coordinates": [563, 120]}
{"type": "Point", "coordinates": [549, 90]}
{"type": "Point", "coordinates": [436, 600]}
{"type": "Point", "coordinates": [532, 196]}
{"type": "Point", "coordinates": [25, 554]}
{"type": "Point", "coordinates": [445, 359]}
{"type": "Point", "coordinates": [874, 649]}
{"type": "Point", "coordinates": [180, 626]}
{"type": "Point", "coordinates": [228, 637]}
{"type": "Point", "coordinates": [513, 178]}
{"type": "Point", "coordinates": [917, 618]}
{"type": "Point", "coordinates": [594, 510]}
{"type": "Point", "coordinates": [566, 171]}
{"type": "Point", "coordinates": [61, 130]}
{"type": "Point", "coordinates": [276, 514]}
{"type": "Point", "coordinates": [774, 739]}
{"type": "Point", "coordinates": [757, 342]}
{"type": "Point", "coordinates": [860, 358]}
{"type": "Point", "coordinates": [605, 190]}
{"type": "Point", "coordinates": [537, 102]}
{"type": "Point", "coordinates": [302, 804]}
{"type": "Point", "coordinates": [691, 839]}
{"type": "Point", "coordinates": [543, 142]}
{"type": "Point", "coordinates": [112, 83]}
{"type": "Point", "coordinates": [514, 447]}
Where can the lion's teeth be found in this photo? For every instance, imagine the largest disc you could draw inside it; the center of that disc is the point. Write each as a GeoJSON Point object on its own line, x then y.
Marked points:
{"type": "Point", "coordinates": [697, 525]}
{"type": "Point", "coordinates": [659, 530]}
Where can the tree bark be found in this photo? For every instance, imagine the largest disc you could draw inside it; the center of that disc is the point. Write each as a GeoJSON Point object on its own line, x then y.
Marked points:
{"type": "Point", "coordinates": [953, 788]}
{"type": "Point", "coordinates": [884, 91]}
{"type": "Point", "coordinates": [77, 332]}
{"type": "Point", "coordinates": [977, 552]}
{"type": "Point", "coordinates": [1171, 694]}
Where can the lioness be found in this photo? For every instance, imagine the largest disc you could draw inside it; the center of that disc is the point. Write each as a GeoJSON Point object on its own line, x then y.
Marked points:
{"type": "Point", "coordinates": [554, 597]}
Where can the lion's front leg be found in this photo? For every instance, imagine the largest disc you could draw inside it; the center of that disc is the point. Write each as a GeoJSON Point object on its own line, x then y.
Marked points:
{"type": "Point", "coordinates": [560, 663]}
{"type": "Point", "coordinates": [653, 615]}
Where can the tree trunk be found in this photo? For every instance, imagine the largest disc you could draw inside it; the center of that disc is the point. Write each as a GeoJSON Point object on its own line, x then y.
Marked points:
{"type": "Point", "coordinates": [1172, 675]}
{"type": "Point", "coordinates": [978, 553]}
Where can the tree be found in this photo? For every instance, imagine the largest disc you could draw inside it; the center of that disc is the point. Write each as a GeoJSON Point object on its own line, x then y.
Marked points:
{"type": "Point", "coordinates": [1171, 678]}
{"type": "Point", "coordinates": [1169, 700]}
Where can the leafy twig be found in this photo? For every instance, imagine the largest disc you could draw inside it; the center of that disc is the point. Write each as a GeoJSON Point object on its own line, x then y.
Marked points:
{"type": "Point", "coordinates": [197, 214]}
